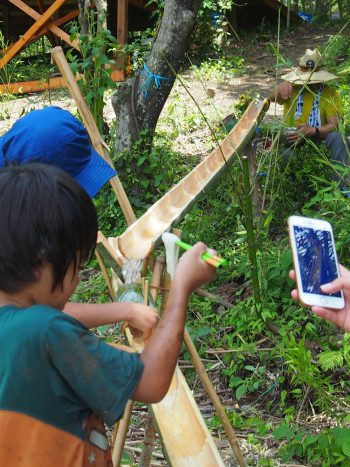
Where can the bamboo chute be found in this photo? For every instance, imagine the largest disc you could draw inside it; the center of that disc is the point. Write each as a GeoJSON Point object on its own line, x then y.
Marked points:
{"type": "Point", "coordinates": [185, 436]}
{"type": "Point", "coordinates": [139, 239]}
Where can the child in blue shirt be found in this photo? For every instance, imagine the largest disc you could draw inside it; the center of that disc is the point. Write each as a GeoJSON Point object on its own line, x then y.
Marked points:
{"type": "Point", "coordinates": [59, 382]}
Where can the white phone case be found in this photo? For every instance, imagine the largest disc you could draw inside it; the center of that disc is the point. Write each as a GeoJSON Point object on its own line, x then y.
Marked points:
{"type": "Point", "coordinates": [319, 228]}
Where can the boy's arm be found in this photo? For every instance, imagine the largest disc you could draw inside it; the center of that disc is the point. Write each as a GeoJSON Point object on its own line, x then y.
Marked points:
{"type": "Point", "coordinates": [91, 315]}
{"type": "Point", "coordinates": [162, 350]}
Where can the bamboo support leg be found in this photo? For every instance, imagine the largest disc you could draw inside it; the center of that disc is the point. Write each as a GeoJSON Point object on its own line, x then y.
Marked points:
{"type": "Point", "coordinates": [120, 433]}
{"type": "Point", "coordinates": [105, 274]}
{"type": "Point", "coordinates": [121, 428]}
{"type": "Point", "coordinates": [220, 411]}
{"type": "Point", "coordinates": [90, 124]}
{"type": "Point", "coordinates": [150, 431]}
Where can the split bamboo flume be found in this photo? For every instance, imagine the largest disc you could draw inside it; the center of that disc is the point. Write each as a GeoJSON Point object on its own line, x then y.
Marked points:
{"type": "Point", "coordinates": [140, 237]}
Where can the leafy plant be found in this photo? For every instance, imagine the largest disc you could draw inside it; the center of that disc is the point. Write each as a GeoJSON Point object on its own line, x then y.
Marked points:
{"type": "Point", "coordinates": [330, 447]}
{"type": "Point", "coordinates": [94, 64]}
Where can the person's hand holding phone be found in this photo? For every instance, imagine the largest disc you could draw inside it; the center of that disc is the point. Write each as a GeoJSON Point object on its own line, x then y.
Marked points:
{"type": "Point", "coordinates": [340, 318]}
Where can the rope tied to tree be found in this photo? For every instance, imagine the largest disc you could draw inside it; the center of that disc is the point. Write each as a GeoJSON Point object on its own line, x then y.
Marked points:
{"type": "Point", "coordinates": [150, 77]}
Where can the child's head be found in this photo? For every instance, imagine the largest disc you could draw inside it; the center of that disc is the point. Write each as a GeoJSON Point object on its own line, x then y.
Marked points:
{"type": "Point", "coordinates": [45, 218]}
{"type": "Point", "coordinates": [54, 136]}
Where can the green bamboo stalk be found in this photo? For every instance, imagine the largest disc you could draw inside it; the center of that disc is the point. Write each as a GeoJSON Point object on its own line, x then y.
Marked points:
{"type": "Point", "coordinates": [249, 225]}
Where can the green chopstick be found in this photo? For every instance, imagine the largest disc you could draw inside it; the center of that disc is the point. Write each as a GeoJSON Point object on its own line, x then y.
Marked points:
{"type": "Point", "coordinates": [215, 261]}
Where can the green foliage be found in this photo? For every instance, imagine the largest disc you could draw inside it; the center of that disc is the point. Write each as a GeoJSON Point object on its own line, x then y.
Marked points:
{"type": "Point", "coordinates": [94, 64]}
{"type": "Point", "coordinates": [92, 287]}
{"type": "Point", "coordinates": [213, 32]}
{"type": "Point", "coordinates": [251, 383]}
{"type": "Point", "coordinates": [23, 67]}
{"type": "Point", "coordinates": [303, 372]}
{"type": "Point", "coordinates": [139, 47]}
{"type": "Point", "coordinates": [330, 447]}
{"type": "Point", "coordinates": [336, 54]}
{"type": "Point", "coordinates": [333, 359]}
{"type": "Point", "coordinates": [294, 180]}
{"type": "Point", "coordinates": [148, 175]}
{"type": "Point", "coordinates": [219, 68]}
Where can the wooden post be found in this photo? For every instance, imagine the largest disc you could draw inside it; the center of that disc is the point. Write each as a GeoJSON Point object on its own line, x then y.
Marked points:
{"type": "Point", "coordinates": [122, 37]}
{"type": "Point", "coordinates": [92, 129]}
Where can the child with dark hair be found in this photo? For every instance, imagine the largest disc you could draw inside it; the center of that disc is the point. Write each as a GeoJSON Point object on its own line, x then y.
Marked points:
{"type": "Point", "coordinates": [55, 137]}
{"type": "Point", "coordinates": [59, 382]}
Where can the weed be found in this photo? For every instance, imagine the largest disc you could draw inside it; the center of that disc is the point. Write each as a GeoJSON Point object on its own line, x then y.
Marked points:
{"type": "Point", "coordinates": [94, 64]}
{"type": "Point", "coordinates": [330, 447]}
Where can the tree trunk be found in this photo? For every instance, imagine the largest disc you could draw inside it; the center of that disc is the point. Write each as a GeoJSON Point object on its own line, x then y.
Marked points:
{"type": "Point", "coordinates": [139, 101]}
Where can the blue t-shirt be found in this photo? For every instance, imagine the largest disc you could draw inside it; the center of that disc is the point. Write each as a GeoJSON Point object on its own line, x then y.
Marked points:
{"type": "Point", "coordinates": [55, 370]}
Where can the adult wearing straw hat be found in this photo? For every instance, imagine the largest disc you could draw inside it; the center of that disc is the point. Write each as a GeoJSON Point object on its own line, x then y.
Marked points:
{"type": "Point", "coordinates": [312, 107]}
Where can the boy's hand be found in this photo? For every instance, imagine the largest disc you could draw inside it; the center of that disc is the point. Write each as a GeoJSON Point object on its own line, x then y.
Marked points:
{"type": "Point", "coordinates": [142, 318]}
{"type": "Point", "coordinates": [340, 318]}
{"type": "Point", "coordinates": [192, 271]}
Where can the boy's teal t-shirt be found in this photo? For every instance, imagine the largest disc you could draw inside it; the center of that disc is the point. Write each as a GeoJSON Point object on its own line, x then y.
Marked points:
{"type": "Point", "coordinates": [55, 370]}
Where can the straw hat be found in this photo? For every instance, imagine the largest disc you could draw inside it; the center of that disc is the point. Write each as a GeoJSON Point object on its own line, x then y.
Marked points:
{"type": "Point", "coordinates": [308, 71]}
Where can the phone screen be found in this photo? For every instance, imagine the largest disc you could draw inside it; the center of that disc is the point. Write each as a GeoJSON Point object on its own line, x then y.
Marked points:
{"type": "Point", "coordinates": [317, 259]}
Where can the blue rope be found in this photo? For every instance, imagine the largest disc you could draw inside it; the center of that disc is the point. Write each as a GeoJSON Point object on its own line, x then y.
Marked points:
{"type": "Point", "coordinates": [150, 77]}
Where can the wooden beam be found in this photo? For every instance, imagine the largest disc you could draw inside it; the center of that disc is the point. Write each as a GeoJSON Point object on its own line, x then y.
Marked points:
{"type": "Point", "coordinates": [62, 20]}
{"type": "Point", "coordinates": [122, 37]}
{"type": "Point", "coordinates": [53, 27]}
{"type": "Point", "coordinates": [91, 127]}
{"type": "Point", "coordinates": [32, 86]}
{"type": "Point", "coordinates": [42, 20]}
{"type": "Point", "coordinates": [50, 35]}
{"type": "Point", "coordinates": [122, 22]}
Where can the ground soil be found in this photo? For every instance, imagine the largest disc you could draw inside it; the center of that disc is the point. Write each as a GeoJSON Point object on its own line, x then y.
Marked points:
{"type": "Point", "coordinates": [214, 97]}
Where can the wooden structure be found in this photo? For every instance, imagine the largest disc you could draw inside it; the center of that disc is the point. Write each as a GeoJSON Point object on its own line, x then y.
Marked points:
{"type": "Point", "coordinates": [249, 14]}
{"type": "Point", "coordinates": [23, 22]}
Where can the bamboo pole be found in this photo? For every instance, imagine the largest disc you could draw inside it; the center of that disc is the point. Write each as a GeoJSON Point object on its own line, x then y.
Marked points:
{"type": "Point", "coordinates": [220, 411]}
{"type": "Point", "coordinates": [184, 433]}
{"type": "Point", "coordinates": [91, 127]}
{"type": "Point", "coordinates": [150, 432]}
{"type": "Point", "coordinates": [156, 277]}
{"type": "Point", "coordinates": [120, 430]}
{"type": "Point", "coordinates": [120, 433]}
{"type": "Point", "coordinates": [105, 273]}
{"type": "Point", "coordinates": [249, 225]}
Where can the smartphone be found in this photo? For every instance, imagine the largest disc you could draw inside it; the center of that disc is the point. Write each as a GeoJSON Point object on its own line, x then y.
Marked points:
{"type": "Point", "coordinates": [315, 261]}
